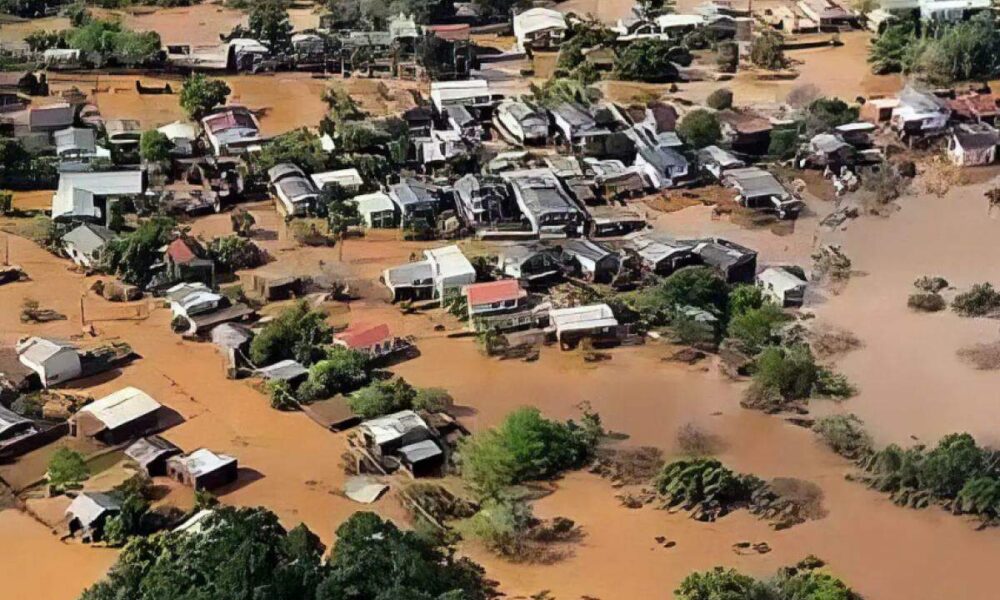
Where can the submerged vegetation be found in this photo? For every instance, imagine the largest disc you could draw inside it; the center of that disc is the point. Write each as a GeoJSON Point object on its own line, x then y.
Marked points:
{"type": "Point", "coordinates": [804, 581]}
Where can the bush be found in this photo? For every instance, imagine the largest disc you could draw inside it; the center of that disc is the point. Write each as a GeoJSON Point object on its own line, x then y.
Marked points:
{"type": "Point", "coordinates": [824, 114]}
{"type": "Point", "coordinates": [791, 371]}
{"type": "Point", "coordinates": [844, 434]}
{"type": "Point", "coordinates": [754, 327]}
{"type": "Point", "coordinates": [503, 525]}
{"type": "Point", "coordinates": [700, 128]}
{"type": "Point", "coordinates": [233, 253]}
{"type": "Point", "coordinates": [382, 398]}
{"type": "Point", "coordinates": [154, 146]}
{"type": "Point", "coordinates": [67, 468]}
{"type": "Point", "coordinates": [784, 143]}
{"type": "Point", "coordinates": [526, 446]}
{"type": "Point", "coordinates": [926, 302]}
{"type": "Point", "coordinates": [433, 400]}
{"type": "Point", "coordinates": [766, 50]}
{"type": "Point", "coordinates": [720, 99]}
{"type": "Point", "coordinates": [982, 300]}
{"type": "Point", "coordinates": [931, 285]}
{"type": "Point", "coordinates": [199, 94]}
{"type": "Point", "coordinates": [341, 372]}
{"type": "Point", "coordinates": [705, 486]}
{"type": "Point", "coordinates": [282, 395]}
{"type": "Point", "coordinates": [695, 441]}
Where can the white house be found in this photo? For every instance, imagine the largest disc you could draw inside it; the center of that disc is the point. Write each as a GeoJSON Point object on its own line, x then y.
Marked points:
{"type": "Point", "coordinates": [595, 320]}
{"type": "Point", "coordinates": [295, 193]}
{"type": "Point", "coordinates": [539, 29]}
{"type": "Point", "coordinates": [468, 92]}
{"type": "Point", "coordinates": [85, 195]}
{"type": "Point", "coordinates": [972, 144]}
{"type": "Point", "coordinates": [451, 269]}
{"type": "Point", "coordinates": [349, 179]}
{"type": "Point", "coordinates": [84, 243]}
{"type": "Point", "coordinates": [189, 299]}
{"type": "Point", "coordinates": [524, 124]}
{"type": "Point", "coordinates": [782, 285]}
{"type": "Point", "coordinates": [377, 209]}
{"type": "Point", "coordinates": [54, 362]}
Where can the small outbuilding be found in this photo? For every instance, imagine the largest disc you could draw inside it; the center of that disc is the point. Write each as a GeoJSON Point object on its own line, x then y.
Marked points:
{"type": "Point", "coordinates": [203, 469]}
{"type": "Point", "coordinates": [123, 415]}
{"type": "Point", "coordinates": [84, 243]}
{"type": "Point", "coordinates": [973, 144]}
{"type": "Point", "coordinates": [88, 512]}
{"type": "Point", "coordinates": [595, 321]}
{"type": "Point", "coordinates": [151, 454]}
{"type": "Point", "coordinates": [54, 362]}
{"type": "Point", "coordinates": [785, 285]}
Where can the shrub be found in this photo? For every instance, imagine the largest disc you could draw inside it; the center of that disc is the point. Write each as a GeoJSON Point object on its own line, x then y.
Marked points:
{"type": "Point", "coordinates": [784, 143]}
{"type": "Point", "coordinates": [754, 327]}
{"type": "Point", "coordinates": [503, 526]}
{"type": "Point", "coordinates": [844, 434]}
{"type": "Point", "coordinates": [67, 468]}
{"type": "Point", "coordinates": [700, 128]}
{"type": "Point", "coordinates": [382, 398]}
{"type": "Point", "coordinates": [926, 302]}
{"type": "Point", "coordinates": [930, 284]}
{"type": "Point", "coordinates": [526, 446]}
{"type": "Point", "coordinates": [982, 300]}
{"type": "Point", "coordinates": [433, 400]}
{"type": "Point", "coordinates": [766, 50]}
{"type": "Point", "coordinates": [826, 113]}
{"type": "Point", "coordinates": [720, 99]}
{"type": "Point", "coordinates": [695, 441]}
{"type": "Point", "coordinates": [791, 371]}
{"type": "Point", "coordinates": [281, 394]}
{"type": "Point", "coordinates": [705, 486]}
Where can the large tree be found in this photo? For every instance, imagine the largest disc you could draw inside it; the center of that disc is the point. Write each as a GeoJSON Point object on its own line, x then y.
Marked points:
{"type": "Point", "coordinates": [268, 23]}
{"type": "Point", "coordinates": [199, 94]}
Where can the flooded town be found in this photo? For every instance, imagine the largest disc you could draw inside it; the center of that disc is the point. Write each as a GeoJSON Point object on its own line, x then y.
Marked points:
{"type": "Point", "coordinates": [579, 300]}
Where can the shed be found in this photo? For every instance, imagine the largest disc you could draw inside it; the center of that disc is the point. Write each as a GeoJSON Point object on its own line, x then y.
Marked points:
{"type": "Point", "coordinates": [422, 458]}
{"type": "Point", "coordinates": [151, 454]}
{"type": "Point", "coordinates": [784, 285]}
{"type": "Point", "coordinates": [123, 415]}
{"type": "Point", "coordinates": [283, 370]}
{"type": "Point", "coordinates": [89, 511]}
{"type": "Point", "coordinates": [385, 435]}
{"type": "Point", "coordinates": [595, 321]}
{"type": "Point", "coordinates": [203, 469]}
{"type": "Point", "coordinates": [54, 362]}
{"type": "Point", "coordinates": [84, 243]}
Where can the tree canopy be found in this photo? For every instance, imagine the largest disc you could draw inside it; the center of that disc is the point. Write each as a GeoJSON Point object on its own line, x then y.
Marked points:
{"type": "Point", "coordinates": [154, 146]}
{"type": "Point", "coordinates": [131, 256]}
{"type": "Point", "coordinates": [650, 60]}
{"type": "Point", "coordinates": [199, 94]}
{"type": "Point", "coordinates": [700, 128]}
{"type": "Point", "coordinates": [269, 24]}
{"type": "Point", "coordinates": [296, 333]}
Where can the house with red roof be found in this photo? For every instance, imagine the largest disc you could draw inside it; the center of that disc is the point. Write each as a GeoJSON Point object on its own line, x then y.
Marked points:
{"type": "Point", "coordinates": [501, 305]}
{"type": "Point", "coordinates": [183, 258]}
{"type": "Point", "coordinates": [374, 341]}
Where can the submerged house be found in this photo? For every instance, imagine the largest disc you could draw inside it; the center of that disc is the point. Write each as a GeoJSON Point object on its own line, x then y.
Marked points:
{"type": "Point", "coordinates": [405, 437]}
{"type": "Point", "coordinates": [86, 196]}
{"type": "Point", "coordinates": [54, 362]}
{"type": "Point", "coordinates": [123, 415]}
{"type": "Point", "coordinates": [531, 263]}
{"type": "Point", "coordinates": [416, 202]}
{"type": "Point", "coordinates": [735, 263]}
{"type": "Point", "coordinates": [443, 271]}
{"type": "Point", "coordinates": [184, 259]}
{"type": "Point", "coordinates": [746, 132]}
{"type": "Point", "coordinates": [590, 260]}
{"type": "Point", "coordinates": [497, 305]}
{"type": "Point", "coordinates": [377, 210]}
{"type": "Point", "coordinates": [758, 189]}
{"type": "Point", "coordinates": [88, 513]}
{"type": "Point", "coordinates": [151, 454]}
{"type": "Point", "coordinates": [717, 161]}
{"type": "Point", "coordinates": [232, 130]}
{"type": "Point", "coordinates": [521, 122]}
{"type": "Point", "coordinates": [484, 200]}
{"type": "Point", "coordinates": [295, 192]}
{"type": "Point", "coordinates": [596, 322]}
{"type": "Point", "coordinates": [661, 255]}
{"type": "Point", "coordinates": [83, 244]}
{"type": "Point", "coordinates": [203, 469]}
{"type": "Point", "coordinates": [374, 341]}
{"type": "Point", "coordinates": [919, 115]}
{"type": "Point", "coordinates": [539, 29]}
{"type": "Point", "coordinates": [972, 144]}
{"type": "Point", "coordinates": [544, 202]}
{"type": "Point", "coordinates": [785, 285]}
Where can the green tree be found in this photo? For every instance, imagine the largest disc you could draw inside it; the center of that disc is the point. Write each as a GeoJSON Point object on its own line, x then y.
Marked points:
{"type": "Point", "coordinates": [980, 301]}
{"type": "Point", "coordinates": [300, 147]}
{"type": "Point", "coordinates": [526, 446]}
{"type": "Point", "coordinates": [502, 524]}
{"type": "Point", "coordinates": [955, 460]}
{"type": "Point", "coordinates": [700, 128]}
{"type": "Point", "coordinates": [784, 143]}
{"type": "Point", "coordinates": [755, 327]}
{"type": "Point", "coordinates": [242, 221]}
{"type": "Point", "coordinates": [721, 584]}
{"type": "Point", "coordinates": [67, 468]}
{"type": "Point", "coordinates": [233, 253]}
{"type": "Point", "coordinates": [382, 397]}
{"type": "Point", "coordinates": [744, 297]}
{"type": "Point", "coordinates": [119, 528]}
{"type": "Point", "coordinates": [199, 94]}
{"type": "Point", "coordinates": [981, 496]}
{"type": "Point", "coordinates": [132, 256]}
{"type": "Point", "coordinates": [268, 23]}
{"type": "Point", "coordinates": [700, 287]}
{"type": "Point", "coordinates": [789, 371]}
{"type": "Point", "coordinates": [282, 395]}
{"type": "Point", "coordinates": [766, 50]}
{"type": "Point", "coordinates": [154, 146]}
{"type": "Point", "coordinates": [650, 60]}
{"type": "Point", "coordinates": [824, 114]}
{"type": "Point", "coordinates": [341, 372]}
{"type": "Point", "coordinates": [296, 333]}
{"type": "Point", "coordinates": [433, 400]}
{"type": "Point", "coordinates": [892, 51]}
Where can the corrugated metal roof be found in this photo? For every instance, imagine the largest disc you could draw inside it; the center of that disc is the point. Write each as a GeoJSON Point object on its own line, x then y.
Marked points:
{"type": "Point", "coordinates": [122, 407]}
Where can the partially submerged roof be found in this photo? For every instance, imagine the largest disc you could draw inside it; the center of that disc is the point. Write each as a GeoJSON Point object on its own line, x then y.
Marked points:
{"type": "Point", "coordinates": [780, 278]}
{"type": "Point", "coordinates": [420, 451]}
{"type": "Point", "coordinates": [754, 182]}
{"type": "Point", "coordinates": [51, 115]}
{"type": "Point", "coordinates": [361, 336]}
{"type": "Point", "coordinates": [582, 317]}
{"type": "Point", "coordinates": [148, 449]}
{"type": "Point", "coordinates": [540, 191]}
{"type": "Point", "coordinates": [286, 370]}
{"type": "Point", "coordinates": [122, 407]}
{"type": "Point", "coordinates": [494, 291]}
{"type": "Point", "coordinates": [11, 420]}
{"type": "Point", "coordinates": [203, 461]}
{"type": "Point", "coordinates": [972, 136]}
{"type": "Point", "coordinates": [372, 203]}
{"type": "Point", "coordinates": [343, 177]}
{"type": "Point", "coordinates": [89, 238]}
{"type": "Point", "coordinates": [538, 19]}
{"type": "Point", "coordinates": [393, 427]}
{"type": "Point", "coordinates": [88, 507]}
{"type": "Point", "coordinates": [38, 350]}
{"type": "Point", "coordinates": [231, 335]}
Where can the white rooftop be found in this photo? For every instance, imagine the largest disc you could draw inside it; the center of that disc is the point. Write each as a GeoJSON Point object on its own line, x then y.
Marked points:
{"type": "Point", "coordinates": [392, 427]}
{"type": "Point", "coordinates": [122, 407]}
{"type": "Point", "coordinates": [343, 177]}
{"type": "Point", "coordinates": [449, 262]}
{"type": "Point", "coordinates": [203, 461]}
{"type": "Point", "coordinates": [582, 317]}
